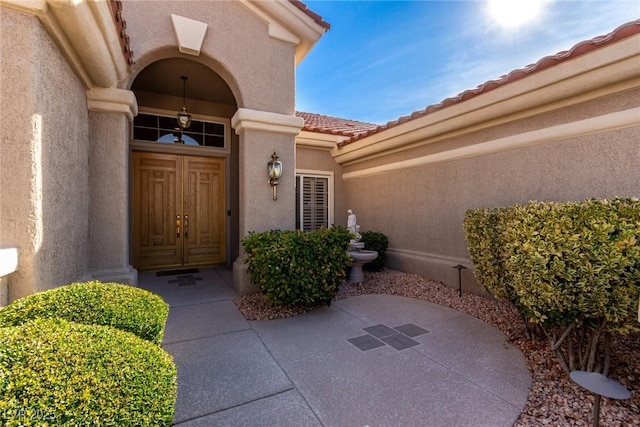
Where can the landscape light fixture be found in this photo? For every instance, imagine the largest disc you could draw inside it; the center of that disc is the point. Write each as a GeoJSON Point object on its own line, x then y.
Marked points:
{"type": "Point", "coordinates": [275, 172]}
{"type": "Point", "coordinates": [184, 118]}
{"type": "Point", "coordinates": [599, 385]}
{"type": "Point", "coordinates": [460, 267]}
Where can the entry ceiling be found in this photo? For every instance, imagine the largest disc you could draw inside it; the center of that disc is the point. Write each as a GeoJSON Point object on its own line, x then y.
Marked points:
{"type": "Point", "coordinates": [164, 77]}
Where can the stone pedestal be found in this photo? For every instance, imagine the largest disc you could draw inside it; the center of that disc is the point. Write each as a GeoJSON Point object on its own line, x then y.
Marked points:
{"type": "Point", "coordinates": [360, 258]}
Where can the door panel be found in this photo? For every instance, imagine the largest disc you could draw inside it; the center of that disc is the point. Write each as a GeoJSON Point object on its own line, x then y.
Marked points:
{"type": "Point", "coordinates": [204, 210]}
{"type": "Point", "coordinates": [155, 207]}
{"type": "Point", "coordinates": [178, 211]}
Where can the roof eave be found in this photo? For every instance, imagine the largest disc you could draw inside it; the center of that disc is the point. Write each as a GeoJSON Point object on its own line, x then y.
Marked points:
{"type": "Point", "coordinates": [86, 34]}
{"type": "Point", "coordinates": [319, 141]}
{"type": "Point", "coordinates": [523, 97]}
{"type": "Point", "coordinates": [290, 23]}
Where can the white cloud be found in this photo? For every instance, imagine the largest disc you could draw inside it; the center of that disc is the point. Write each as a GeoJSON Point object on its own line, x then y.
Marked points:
{"type": "Point", "coordinates": [407, 61]}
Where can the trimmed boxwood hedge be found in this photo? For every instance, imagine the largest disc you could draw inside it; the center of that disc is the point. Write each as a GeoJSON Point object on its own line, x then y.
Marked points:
{"type": "Point", "coordinates": [59, 373]}
{"type": "Point", "coordinates": [298, 268]}
{"type": "Point", "coordinates": [124, 307]}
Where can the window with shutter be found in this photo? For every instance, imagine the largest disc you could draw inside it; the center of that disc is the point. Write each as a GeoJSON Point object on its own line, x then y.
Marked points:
{"type": "Point", "coordinates": [313, 202]}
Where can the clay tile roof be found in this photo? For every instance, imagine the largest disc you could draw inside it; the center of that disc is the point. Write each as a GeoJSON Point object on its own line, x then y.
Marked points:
{"type": "Point", "coordinates": [334, 125]}
{"type": "Point", "coordinates": [317, 18]}
{"type": "Point", "coordinates": [121, 27]}
{"type": "Point", "coordinates": [622, 32]}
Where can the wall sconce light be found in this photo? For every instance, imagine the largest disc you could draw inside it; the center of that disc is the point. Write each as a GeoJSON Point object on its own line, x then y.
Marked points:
{"type": "Point", "coordinates": [184, 118]}
{"type": "Point", "coordinates": [275, 172]}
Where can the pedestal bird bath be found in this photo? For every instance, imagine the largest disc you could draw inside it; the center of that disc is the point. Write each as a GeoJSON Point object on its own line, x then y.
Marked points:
{"type": "Point", "coordinates": [359, 255]}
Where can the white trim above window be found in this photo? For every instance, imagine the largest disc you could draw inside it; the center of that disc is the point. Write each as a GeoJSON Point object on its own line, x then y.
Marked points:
{"type": "Point", "coordinates": [314, 199]}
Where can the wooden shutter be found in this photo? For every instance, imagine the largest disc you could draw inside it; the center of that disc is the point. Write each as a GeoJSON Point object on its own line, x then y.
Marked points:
{"type": "Point", "coordinates": [314, 192]}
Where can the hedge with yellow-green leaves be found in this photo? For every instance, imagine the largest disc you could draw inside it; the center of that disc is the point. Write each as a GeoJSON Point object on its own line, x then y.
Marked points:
{"type": "Point", "coordinates": [122, 306]}
{"type": "Point", "coordinates": [562, 263]}
{"type": "Point", "coordinates": [577, 262]}
{"type": "Point", "coordinates": [59, 373]}
{"type": "Point", "coordinates": [484, 232]}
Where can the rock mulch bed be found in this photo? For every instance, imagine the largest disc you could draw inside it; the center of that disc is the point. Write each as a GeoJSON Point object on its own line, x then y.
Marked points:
{"type": "Point", "coordinates": [554, 399]}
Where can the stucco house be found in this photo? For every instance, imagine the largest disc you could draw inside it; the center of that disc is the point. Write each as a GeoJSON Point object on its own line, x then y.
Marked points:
{"type": "Point", "coordinates": [98, 179]}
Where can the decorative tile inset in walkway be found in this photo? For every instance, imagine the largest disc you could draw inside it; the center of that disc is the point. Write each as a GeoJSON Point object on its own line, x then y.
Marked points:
{"type": "Point", "coordinates": [380, 335]}
{"type": "Point", "coordinates": [399, 341]}
{"type": "Point", "coordinates": [365, 342]}
{"type": "Point", "coordinates": [379, 331]}
{"type": "Point", "coordinates": [411, 330]}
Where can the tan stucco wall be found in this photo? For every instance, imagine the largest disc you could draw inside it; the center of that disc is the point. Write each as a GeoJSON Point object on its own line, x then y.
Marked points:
{"type": "Point", "coordinates": [311, 159]}
{"type": "Point", "coordinates": [259, 69]}
{"type": "Point", "coordinates": [261, 212]}
{"type": "Point", "coordinates": [422, 208]}
{"type": "Point", "coordinates": [44, 158]}
{"type": "Point", "coordinates": [109, 178]}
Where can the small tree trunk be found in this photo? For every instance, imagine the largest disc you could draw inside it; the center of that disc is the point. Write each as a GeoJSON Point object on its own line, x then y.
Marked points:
{"type": "Point", "coordinates": [582, 336]}
{"type": "Point", "coordinates": [593, 346]}
{"type": "Point", "coordinates": [563, 362]}
{"type": "Point", "coordinates": [551, 337]}
{"type": "Point", "coordinates": [607, 353]}
{"type": "Point", "coordinates": [572, 354]}
{"type": "Point", "coordinates": [558, 343]}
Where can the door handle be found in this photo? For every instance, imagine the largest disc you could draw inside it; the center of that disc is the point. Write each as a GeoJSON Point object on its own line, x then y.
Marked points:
{"type": "Point", "coordinates": [178, 226]}
{"type": "Point", "coordinates": [186, 226]}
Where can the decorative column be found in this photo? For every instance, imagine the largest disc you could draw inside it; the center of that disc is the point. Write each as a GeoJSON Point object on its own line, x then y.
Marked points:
{"type": "Point", "coordinates": [110, 113]}
{"type": "Point", "coordinates": [261, 134]}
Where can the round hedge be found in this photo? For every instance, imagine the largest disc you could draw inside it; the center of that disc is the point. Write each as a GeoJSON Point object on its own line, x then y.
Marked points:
{"type": "Point", "coordinates": [124, 307]}
{"type": "Point", "coordinates": [298, 268]}
{"type": "Point", "coordinates": [54, 372]}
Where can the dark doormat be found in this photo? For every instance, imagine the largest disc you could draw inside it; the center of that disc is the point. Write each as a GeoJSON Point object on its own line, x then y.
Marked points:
{"type": "Point", "coordinates": [176, 272]}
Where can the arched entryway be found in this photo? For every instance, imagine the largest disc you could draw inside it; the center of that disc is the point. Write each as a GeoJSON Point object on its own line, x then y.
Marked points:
{"type": "Point", "coordinates": [183, 180]}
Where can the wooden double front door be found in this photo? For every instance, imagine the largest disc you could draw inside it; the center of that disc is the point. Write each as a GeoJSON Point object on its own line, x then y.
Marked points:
{"type": "Point", "coordinates": [178, 211]}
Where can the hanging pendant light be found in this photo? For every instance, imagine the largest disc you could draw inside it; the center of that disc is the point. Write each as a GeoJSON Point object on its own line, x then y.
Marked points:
{"type": "Point", "coordinates": [184, 118]}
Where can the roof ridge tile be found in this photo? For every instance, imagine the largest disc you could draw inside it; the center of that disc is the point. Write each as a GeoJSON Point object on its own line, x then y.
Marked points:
{"type": "Point", "coordinates": [619, 33]}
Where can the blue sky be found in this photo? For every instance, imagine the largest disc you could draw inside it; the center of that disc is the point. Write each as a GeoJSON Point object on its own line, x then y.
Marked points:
{"type": "Point", "coordinates": [385, 59]}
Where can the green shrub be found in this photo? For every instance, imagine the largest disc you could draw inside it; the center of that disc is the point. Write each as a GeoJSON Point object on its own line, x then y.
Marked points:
{"type": "Point", "coordinates": [59, 373]}
{"type": "Point", "coordinates": [576, 263]}
{"type": "Point", "coordinates": [484, 230]}
{"type": "Point", "coordinates": [375, 241]}
{"type": "Point", "coordinates": [572, 268]}
{"type": "Point", "coordinates": [298, 268]}
{"type": "Point", "coordinates": [121, 306]}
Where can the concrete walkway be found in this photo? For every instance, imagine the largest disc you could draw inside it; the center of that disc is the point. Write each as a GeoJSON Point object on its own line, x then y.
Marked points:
{"type": "Point", "coordinates": [373, 360]}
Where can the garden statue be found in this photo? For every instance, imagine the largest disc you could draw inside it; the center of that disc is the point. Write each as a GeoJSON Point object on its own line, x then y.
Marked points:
{"type": "Point", "coordinates": [356, 250]}
{"type": "Point", "coordinates": [352, 225]}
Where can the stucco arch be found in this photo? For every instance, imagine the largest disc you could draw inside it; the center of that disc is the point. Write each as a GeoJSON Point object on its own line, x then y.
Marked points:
{"type": "Point", "coordinates": [237, 46]}
{"type": "Point", "coordinates": [157, 85]}
{"type": "Point", "coordinates": [169, 52]}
